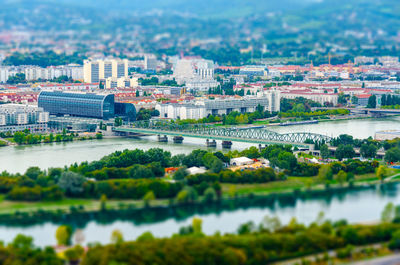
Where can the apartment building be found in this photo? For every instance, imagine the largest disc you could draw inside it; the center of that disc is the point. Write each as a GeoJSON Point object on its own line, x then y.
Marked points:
{"type": "Point", "coordinates": [96, 70]}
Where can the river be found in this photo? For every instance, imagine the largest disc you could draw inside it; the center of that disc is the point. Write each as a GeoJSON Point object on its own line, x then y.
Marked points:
{"type": "Point", "coordinates": [16, 159]}
{"type": "Point", "coordinates": [354, 206]}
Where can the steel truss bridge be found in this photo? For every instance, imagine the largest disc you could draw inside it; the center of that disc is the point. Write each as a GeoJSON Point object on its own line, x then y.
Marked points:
{"type": "Point", "coordinates": [247, 134]}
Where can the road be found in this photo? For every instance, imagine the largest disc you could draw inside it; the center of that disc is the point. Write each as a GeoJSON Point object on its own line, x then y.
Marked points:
{"type": "Point", "coordinates": [389, 260]}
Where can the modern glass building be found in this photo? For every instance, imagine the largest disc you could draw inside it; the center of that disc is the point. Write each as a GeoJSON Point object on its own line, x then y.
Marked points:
{"type": "Point", "coordinates": [77, 104]}
{"type": "Point", "coordinates": [125, 110]}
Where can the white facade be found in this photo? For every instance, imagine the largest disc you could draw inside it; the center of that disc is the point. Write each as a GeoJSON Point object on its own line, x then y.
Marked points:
{"type": "Point", "coordinates": [96, 70]}
{"type": "Point", "coordinates": [4, 74]}
{"type": "Point", "coordinates": [201, 109]}
{"type": "Point", "coordinates": [16, 117]}
{"type": "Point", "coordinates": [317, 97]}
{"type": "Point", "coordinates": [198, 74]}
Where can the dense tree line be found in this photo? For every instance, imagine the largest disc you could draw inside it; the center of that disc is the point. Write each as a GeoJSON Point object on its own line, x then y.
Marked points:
{"type": "Point", "coordinates": [261, 175]}
{"type": "Point", "coordinates": [295, 113]}
{"type": "Point", "coordinates": [42, 59]}
{"type": "Point", "coordinates": [268, 242]}
{"type": "Point", "coordinates": [390, 100]}
{"type": "Point", "coordinates": [298, 104]}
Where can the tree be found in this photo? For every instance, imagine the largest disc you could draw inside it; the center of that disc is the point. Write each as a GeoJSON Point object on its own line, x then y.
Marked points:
{"type": "Point", "coordinates": [33, 172]}
{"type": "Point", "coordinates": [341, 177]}
{"type": "Point", "coordinates": [325, 173]}
{"type": "Point", "coordinates": [381, 173]}
{"type": "Point", "coordinates": [388, 213]}
{"type": "Point", "coordinates": [146, 236]}
{"type": "Point", "coordinates": [371, 102]}
{"type": "Point", "coordinates": [103, 202]}
{"type": "Point", "coordinates": [74, 254]}
{"type": "Point", "coordinates": [344, 151]}
{"type": "Point", "coordinates": [197, 226]}
{"type": "Point", "coordinates": [368, 150]}
{"type": "Point", "coordinates": [19, 137]}
{"type": "Point", "coordinates": [392, 155]}
{"type": "Point", "coordinates": [117, 237]}
{"type": "Point", "coordinates": [71, 183]}
{"type": "Point", "coordinates": [64, 235]}
{"type": "Point", "coordinates": [325, 153]}
{"type": "Point", "coordinates": [271, 223]}
{"type": "Point", "coordinates": [148, 197]}
{"type": "Point", "coordinates": [210, 195]}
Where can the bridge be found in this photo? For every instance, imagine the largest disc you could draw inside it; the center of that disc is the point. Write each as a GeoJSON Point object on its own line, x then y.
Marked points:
{"type": "Point", "coordinates": [256, 135]}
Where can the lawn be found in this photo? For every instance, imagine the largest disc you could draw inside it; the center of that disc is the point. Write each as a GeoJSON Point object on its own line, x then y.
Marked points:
{"type": "Point", "coordinates": [275, 186]}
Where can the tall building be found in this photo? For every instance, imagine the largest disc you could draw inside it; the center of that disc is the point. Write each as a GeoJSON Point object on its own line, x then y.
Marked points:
{"type": "Point", "coordinates": [96, 70]}
{"type": "Point", "coordinates": [17, 117]}
{"type": "Point", "coordinates": [150, 63]}
{"type": "Point", "coordinates": [197, 74]}
{"type": "Point", "coordinates": [92, 105]}
{"type": "Point", "coordinates": [4, 74]}
{"type": "Point", "coordinates": [189, 69]}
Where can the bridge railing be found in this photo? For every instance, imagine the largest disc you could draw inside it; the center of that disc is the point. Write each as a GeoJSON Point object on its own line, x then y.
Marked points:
{"type": "Point", "coordinates": [249, 133]}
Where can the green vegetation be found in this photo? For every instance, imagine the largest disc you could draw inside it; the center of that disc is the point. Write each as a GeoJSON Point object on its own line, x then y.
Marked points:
{"type": "Point", "coordinates": [303, 114]}
{"type": "Point", "coordinates": [249, 245]}
{"type": "Point", "coordinates": [42, 59]}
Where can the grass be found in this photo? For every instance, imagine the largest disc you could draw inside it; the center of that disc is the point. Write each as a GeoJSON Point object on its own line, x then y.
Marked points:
{"type": "Point", "coordinates": [277, 186]}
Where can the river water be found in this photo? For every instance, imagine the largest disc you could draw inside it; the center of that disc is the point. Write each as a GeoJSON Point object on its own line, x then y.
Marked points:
{"type": "Point", "coordinates": [360, 206]}
{"type": "Point", "coordinates": [18, 158]}
{"type": "Point", "coordinates": [354, 206]}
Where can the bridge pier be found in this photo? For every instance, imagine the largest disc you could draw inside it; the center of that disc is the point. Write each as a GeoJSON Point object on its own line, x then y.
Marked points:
{"type": "Point", "coordinates": [212, 143]}
{"type": "Point", "coordinates": [227, 144]}
{"type": "Point", "coordinates": [178, 139]}
{"type": "Point", "coordinates": [162, 139]}
{"type": "Point", "coordinates": [260, 147]}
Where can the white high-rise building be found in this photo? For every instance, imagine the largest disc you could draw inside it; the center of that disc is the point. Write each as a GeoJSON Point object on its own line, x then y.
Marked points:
{"type": "Point", "coordinates": [188, 69]}
{"type": "Point", "coordinates": [96, 70]}
{"type": "Point", "coordinates": [4, 74]}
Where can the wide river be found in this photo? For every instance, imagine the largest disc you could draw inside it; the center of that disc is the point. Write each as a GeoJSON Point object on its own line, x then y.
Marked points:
{"type": "Point", "coordinates": [355, 206]}
{"type": "Point", "coordinates": [18, 159]}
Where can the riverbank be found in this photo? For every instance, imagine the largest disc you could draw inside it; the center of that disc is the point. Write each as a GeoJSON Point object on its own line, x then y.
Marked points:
{"type": "Point", "coordinates": [293, 185]}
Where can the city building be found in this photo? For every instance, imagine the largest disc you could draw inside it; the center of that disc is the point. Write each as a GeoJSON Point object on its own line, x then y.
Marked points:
{"type": "Point", "coordinates": [18, 117]}
{"type": "Point", "coordinates": [197, 74]}
{"type": "Point", "coordinates": [73, 124]}
{"type": "Point", "coordinates": [270, 101]}
{"type": "Point", "coordinates": [360, 60]}
{"type": "Point", "coordinates": [96, 70]}
{"type": "Point", "coordinates": [314, 95]}
{"type": "Point", "coordinates": [150, 63]}
{"type": "Point", "coordinates": [92, 105]}
{"type": "Point", "coordinates": [121, 82]}
{"type": "Point", "coordinates": [254, 70]}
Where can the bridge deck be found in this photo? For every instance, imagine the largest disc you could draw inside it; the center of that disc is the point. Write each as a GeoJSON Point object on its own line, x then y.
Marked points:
{"type": "Point", "coordinates": [208, 136]}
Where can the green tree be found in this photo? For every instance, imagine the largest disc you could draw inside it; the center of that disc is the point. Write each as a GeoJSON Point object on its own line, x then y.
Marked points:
{"type": "Point", "coordinates": [148, 197]}
{"type": "Point", "coordinates": [325, 173]}
{"type": "Point", "coordinates": [71, 183]}
{"type": "Point", "coordinates": [325, 153]}
{"type": "Point", "coordinates": [210, 195]}
{"type": "Point", "coordinates": [341, 177]}
{"type": "Point", "coordinates": [64, 235]}
{"type": "Point", "coordinates": [381, 173]}
{"type": "Point", "coordinates": [74, 254]}
{"type": "Point", "coordinates": [388, 213]}
{"type": "Point", "coordinates": [344, 151]}
{"type": "Point", "coordinates": [103, 202]}
{"type": "Point", "coordinates": [392, 155]}
{"type": "Point", "coordinates": [19, 137]}
{"type": "Point", "coordinates": [371, 102]}
{"type": "Point", "coordinates": [117, 237]}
